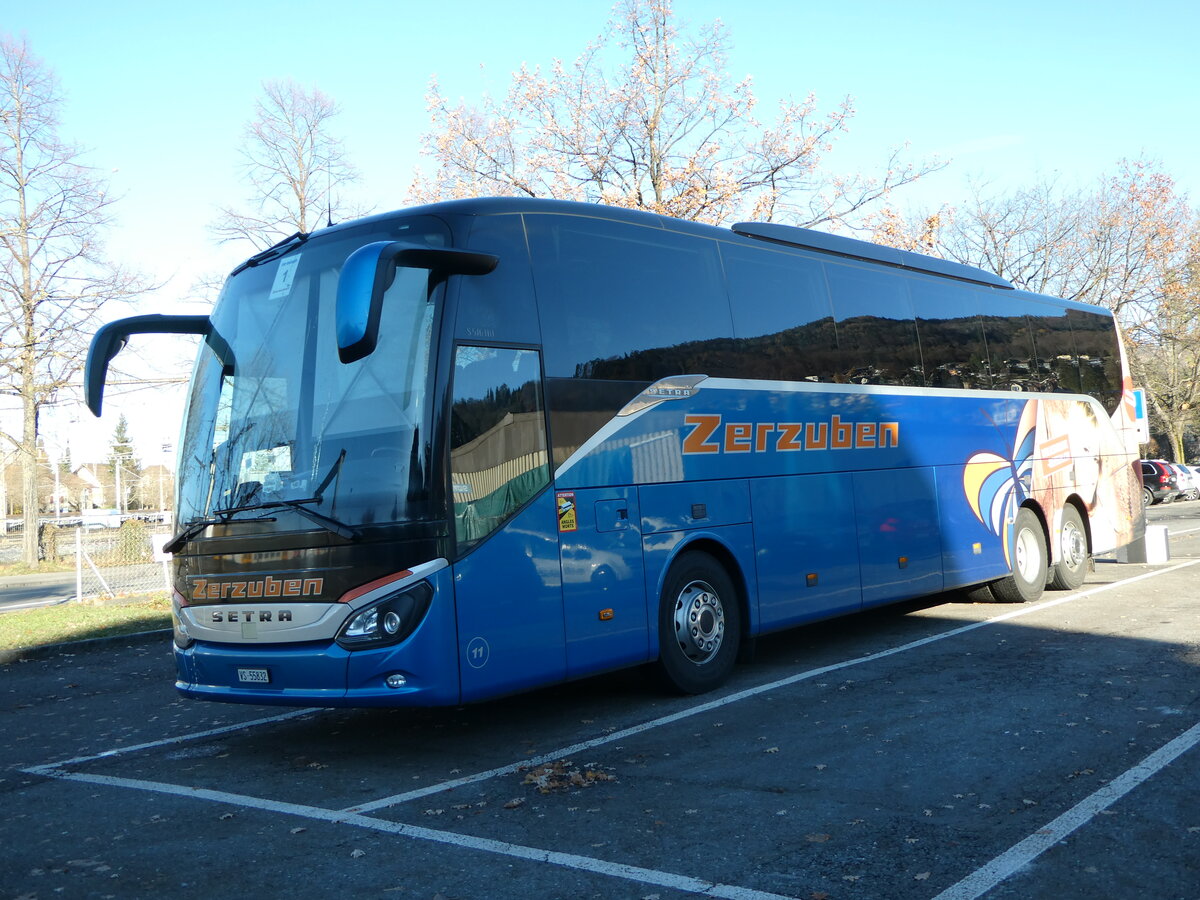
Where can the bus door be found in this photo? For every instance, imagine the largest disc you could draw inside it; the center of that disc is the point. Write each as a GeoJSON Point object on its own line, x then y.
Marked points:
{"type": "Point", "coordinates": [604, 590]}
{"type": "Point", "coordinates": [507, 581]}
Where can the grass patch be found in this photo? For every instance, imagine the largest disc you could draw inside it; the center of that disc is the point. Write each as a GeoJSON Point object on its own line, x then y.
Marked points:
{"type": "Point", "coordinates": [41, 568]}
{"type": "Point", "coordinates": [66, 622]}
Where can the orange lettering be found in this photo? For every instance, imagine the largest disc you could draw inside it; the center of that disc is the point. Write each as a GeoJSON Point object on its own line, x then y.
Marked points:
{"type": "Point", "coordinates": [815, 436]}
{"type": "Point", "coordinates": [697, 440]}
{"type": "Point", "coordinates": [842, 434]}
{"type": "Point", "coordinates": [790, 437]}
{"type": "Point", "coordinates": [737, 437]}
{"type": "Point", "coordinates": [760, 443]}
{"type": "Point", "coordinates": [866, 435]}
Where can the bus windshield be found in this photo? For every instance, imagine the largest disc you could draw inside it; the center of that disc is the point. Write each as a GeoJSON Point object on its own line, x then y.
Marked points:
{"type": "Point", "coordinates": [278, 420]}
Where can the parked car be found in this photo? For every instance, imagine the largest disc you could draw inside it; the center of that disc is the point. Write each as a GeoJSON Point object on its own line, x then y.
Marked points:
{"type": "Point", "coordinates": [1189, 482]}
{"type": "Point", "coordinates": [1160, 484]}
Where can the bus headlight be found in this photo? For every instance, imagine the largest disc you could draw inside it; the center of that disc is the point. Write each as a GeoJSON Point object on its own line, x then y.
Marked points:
{"type": "Point", "coordinates": [389, 621]}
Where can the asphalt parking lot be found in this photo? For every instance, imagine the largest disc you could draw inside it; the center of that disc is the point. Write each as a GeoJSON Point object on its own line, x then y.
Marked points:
{"type": "Point", "coordinates": [934, 750]}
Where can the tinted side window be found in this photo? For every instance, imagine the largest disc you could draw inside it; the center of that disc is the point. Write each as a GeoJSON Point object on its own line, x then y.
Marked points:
{"type": "Point", "coordinates": [498, 458]}
{"type": "Point", "coordinates": [1009, 344]}
{"type": "Point", "coordinates": [1099, 356]}
{"type": "Point", "coordinates": [627, 302]}
{"type": "Point", "coordinates": [782, 317]}
{"type": "Point", "coordinates": [953, 350]}
{"type": "Point", "coordinates": [875, 327]}
{"type": "Point", "coordinates": [498, 306]}
{"type": "Point", "coordinates": [1054, 347]}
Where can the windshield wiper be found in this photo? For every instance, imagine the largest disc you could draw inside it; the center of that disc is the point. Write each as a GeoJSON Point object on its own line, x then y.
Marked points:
{"type": "Point", "coordinates": [225, 517]}
{"type": "Point", "coordinates": [219, 517]}
{"type": "Point", "coordinates": [341, 529]}
{"type": "Point", "coordinates": [277, 249]}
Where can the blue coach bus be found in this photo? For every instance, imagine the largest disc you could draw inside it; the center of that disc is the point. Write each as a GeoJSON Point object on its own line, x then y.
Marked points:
{"type": "Point", "coordinates": [454, 452]}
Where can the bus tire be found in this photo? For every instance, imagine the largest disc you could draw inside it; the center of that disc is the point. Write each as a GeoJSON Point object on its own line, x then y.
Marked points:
{"type": "Point", "coordinates": [1071, 568]}
{"type": "Point", "coordinates": [1028, 578]}
{"type": "Point", "coordinates": [699, 624]}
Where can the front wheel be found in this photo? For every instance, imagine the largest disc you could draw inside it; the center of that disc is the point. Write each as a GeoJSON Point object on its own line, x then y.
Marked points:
{"type": "Point", "coordinates": [699, 624]}
{"type": "Point", "coordinates": [1028, 578]}
{"type": "Point", "coordinates": [1071, 567]}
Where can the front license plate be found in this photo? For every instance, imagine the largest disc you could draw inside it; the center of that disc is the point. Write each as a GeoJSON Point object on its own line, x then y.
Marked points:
{"type": "Point", "coordinates": [254, 676]}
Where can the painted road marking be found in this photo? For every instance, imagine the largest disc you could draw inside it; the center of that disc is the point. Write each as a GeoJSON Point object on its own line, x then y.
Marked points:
{"type": "Point", "coordinates": [568, 751]}
{"type": "Point", "coordinates": [470, 842]}
{"type": "Point", "coordinates": [49, 768]}
{"type": "Point", "coordinates": [981, 881]}
{"type": "Point", "coordinates": [1021, 854]}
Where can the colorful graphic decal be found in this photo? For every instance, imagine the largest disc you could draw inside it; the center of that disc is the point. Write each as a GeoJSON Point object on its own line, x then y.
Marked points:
{"type": "Point", "coordinates": [1062, 449]}
{"type": "Point", "coordinates": [996, 487]}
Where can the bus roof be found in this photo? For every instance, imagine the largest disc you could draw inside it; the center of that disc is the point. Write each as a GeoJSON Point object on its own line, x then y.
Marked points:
{"type": "Point", "coordinates": [767, 232]}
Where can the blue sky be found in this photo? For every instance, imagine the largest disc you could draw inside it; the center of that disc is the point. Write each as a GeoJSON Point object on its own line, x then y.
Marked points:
{"type": "Point", "coordinates": [1010, 93]}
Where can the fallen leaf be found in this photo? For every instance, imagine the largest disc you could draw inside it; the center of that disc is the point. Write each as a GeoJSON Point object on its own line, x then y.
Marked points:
{"type": "Point", "coordinates": [357, 854]}
{"type": "Point", "coordinates": [816, 838]}
{"type": "Point", "coordinates": [922, 876]}
{"type": "Point", "coordinates": [514, 803]}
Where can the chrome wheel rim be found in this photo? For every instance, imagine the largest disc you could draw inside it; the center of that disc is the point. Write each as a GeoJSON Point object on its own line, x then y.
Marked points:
{"type": "Point", "coordinates": [1074, 547]}
{"type": "Point", "coordinates": [699, 620]}
{"type": "Point", "coordinates": [1027, 562]}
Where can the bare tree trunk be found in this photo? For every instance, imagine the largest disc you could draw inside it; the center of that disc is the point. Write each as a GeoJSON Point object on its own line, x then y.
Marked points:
{"type": "Point", "coordinates": [29, 493]}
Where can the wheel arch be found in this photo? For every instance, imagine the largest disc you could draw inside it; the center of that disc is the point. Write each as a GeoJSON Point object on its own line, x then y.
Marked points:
{"type": "Point", "coordinates": [728, 561]}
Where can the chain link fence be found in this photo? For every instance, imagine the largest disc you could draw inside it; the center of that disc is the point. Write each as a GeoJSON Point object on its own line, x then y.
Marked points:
{"type": "Point", "coordinates": [109, 562]}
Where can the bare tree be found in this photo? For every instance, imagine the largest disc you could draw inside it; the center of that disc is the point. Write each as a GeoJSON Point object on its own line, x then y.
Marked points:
{"type": "Point", "coordinates": [295, 166]}
{"type": "Point", "coordinates": [656, 124]}
{"type": "Point", "coordinates": [53, 277]}
{"type": "Point", "coordinates": [1166, 347]}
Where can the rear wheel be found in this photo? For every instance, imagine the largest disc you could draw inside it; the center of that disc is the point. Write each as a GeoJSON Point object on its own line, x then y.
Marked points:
{"type": "Point", "coordinates": [1028, 578]}
{"type": "Point", "coordinates": [1071, 567]}
{"type": "Point", "coordinates": [699, 624]}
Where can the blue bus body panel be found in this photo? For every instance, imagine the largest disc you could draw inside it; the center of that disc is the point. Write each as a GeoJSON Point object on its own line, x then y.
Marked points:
{"type": "Point", "coordinates": [604, 602]}
{"type": "Point", "coordinates": [899, 539]}
{"type": "Point", "coordinates": [806, 548]}
{"type": "Point", "coordinates": [509, 602]}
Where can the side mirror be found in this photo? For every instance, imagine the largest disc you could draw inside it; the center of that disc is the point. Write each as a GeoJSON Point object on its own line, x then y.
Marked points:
{"type": "Point", "coordinates": [112, 337]}
{"type": "Point", "coordinates": [370, 270]}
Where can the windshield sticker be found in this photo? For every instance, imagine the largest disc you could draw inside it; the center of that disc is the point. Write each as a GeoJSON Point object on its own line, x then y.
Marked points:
{"type": "Point", "coordinates": [258, 464]}
{"type": "Point", "coordinates": [284, 276]}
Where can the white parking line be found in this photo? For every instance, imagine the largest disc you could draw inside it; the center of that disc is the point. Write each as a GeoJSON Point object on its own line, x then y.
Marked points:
{"type": "Point", "coordinates": [979, 882]}
{"type": "Point", "coordinates": [987, 877]}
{"type": "Point", "coordinates": [487, 845]}
{"type": "Point", "coordinates": [572, 749]}
{"type": "Point", "coordinates": [49, 768]}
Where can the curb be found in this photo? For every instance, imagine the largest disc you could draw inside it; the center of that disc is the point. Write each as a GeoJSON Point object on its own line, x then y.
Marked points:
{"type": "Point", "coordinates": [45, 650]}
